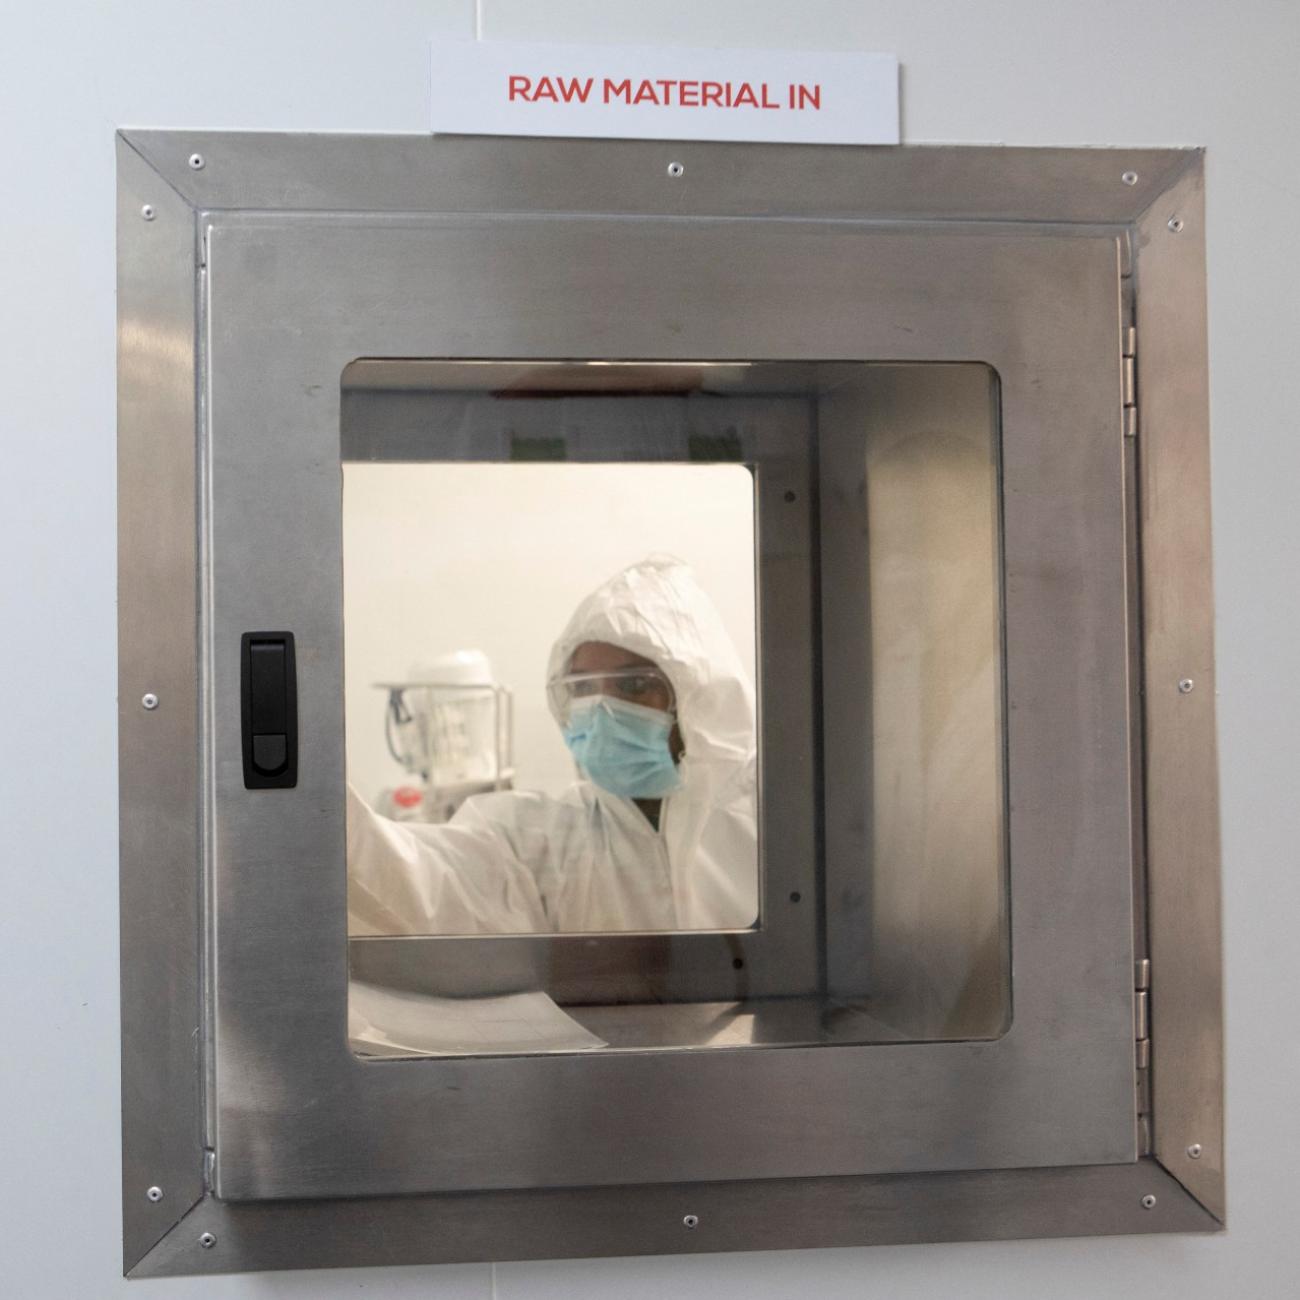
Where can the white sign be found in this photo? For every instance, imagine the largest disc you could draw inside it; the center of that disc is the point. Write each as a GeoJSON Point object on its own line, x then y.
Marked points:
{"type": "Point", "coordinates": [663, 93]}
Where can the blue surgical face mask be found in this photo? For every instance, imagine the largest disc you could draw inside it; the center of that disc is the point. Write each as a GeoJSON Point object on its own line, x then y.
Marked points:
{"type": "Point", "coordinates": [623, 747]}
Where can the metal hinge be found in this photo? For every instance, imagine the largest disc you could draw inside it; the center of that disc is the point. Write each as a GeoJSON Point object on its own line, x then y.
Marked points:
{"type": "Point", "coordinates": [1142, 1051]}
{"type": "Point", "coordinates": [1128, 380]}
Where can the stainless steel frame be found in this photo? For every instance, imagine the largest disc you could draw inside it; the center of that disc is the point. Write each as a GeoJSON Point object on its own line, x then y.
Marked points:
{"type": "Point", "coordinates": [778, 958]}
{"type": "Point", "coordinates": [1030, 260]}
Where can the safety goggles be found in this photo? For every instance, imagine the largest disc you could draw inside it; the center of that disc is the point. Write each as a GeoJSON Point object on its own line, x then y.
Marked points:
{"type": "Point", "coordinates": [647, 687]}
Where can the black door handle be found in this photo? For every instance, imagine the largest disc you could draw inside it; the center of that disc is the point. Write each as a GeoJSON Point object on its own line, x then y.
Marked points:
{"type": "Point", "coordinates": [269, 690]}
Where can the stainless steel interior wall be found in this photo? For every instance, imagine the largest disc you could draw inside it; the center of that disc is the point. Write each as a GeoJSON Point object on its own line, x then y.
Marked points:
{"type": "Point", "coordinates": [913, 670]}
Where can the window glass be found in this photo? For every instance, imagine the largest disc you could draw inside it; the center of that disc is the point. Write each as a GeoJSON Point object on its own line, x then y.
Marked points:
{"type": "Point", "coordinates": [550, 709]}
{"type": "Point", "coordinates": [674, 705]}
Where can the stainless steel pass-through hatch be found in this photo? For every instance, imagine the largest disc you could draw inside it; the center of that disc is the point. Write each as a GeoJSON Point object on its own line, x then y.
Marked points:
{"type": "Point", "coordinates": [888, 405]}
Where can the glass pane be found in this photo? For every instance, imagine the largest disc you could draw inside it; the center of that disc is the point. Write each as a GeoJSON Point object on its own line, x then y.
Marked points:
{"type": "Point", "coordinates": [674, 705]}
{"type": "Point", "coordinates": [550, 706]}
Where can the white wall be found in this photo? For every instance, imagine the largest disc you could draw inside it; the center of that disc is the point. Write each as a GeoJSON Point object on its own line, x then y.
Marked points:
{"type": "Point", "coordinates": [438, 558]}
{"type": "Point", "coordinates": [1020, 71]}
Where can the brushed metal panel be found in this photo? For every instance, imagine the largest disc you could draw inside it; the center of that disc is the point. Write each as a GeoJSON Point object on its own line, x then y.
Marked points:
{"type": "Point", "coordinates": [162, 1113]}
{"type": "Point", "coordinates": [162, 1135]}
{"type": "Point", "coordinates": [293, 302]}
{"type": "Point", "coordinates": [914, 727]}
{"type": "Point", "coordinates": [775, 1214]}
{"type": "Point", "coordinates": [424, 173]}
{"type": "Point", "coordinates": [1181, 760]}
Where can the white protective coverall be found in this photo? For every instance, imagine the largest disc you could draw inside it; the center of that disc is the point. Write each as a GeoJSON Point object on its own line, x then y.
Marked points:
{"type": "Point", "coordinates": [587, 860]}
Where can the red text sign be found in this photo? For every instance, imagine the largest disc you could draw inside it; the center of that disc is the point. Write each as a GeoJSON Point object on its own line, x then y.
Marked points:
{"type": "Point", "coordinates": [503, 88]}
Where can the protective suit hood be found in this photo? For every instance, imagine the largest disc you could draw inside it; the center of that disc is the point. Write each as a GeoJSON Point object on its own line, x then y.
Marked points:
{"type": "Point", "coordinates": [658, 610]}
{"type": "Point", "coordinates": [708, 827]}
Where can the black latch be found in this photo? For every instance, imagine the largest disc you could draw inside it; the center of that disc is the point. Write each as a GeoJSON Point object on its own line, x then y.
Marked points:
{"type": "Point", "coordinates": [269, 687]}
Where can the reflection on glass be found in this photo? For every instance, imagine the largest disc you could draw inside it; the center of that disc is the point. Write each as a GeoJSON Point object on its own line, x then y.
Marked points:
{"type": "Point", "coordinates": [550, 714]}
{"type": "Point", "coordinates": [936, 706]}
{"type": "Point", "coordinates": [605, 782]}
{"type": "Point", "coordinates": [914, 722]}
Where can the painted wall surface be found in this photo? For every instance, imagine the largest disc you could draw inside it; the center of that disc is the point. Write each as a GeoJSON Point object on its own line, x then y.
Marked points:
{"type": "Point", "coordinates": [1067, 72]}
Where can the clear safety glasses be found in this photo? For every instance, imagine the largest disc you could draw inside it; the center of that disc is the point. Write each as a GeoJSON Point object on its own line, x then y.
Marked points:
{"type": "Point", "coordinates": [647, 687]}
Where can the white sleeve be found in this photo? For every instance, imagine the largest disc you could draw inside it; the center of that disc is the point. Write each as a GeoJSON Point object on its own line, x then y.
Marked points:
{"type": "Point", "coordinates": [445, 879]}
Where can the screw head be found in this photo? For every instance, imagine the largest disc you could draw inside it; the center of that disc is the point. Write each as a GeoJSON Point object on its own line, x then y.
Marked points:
{"type": "Point", "coordinates": [675, 169]}
{"type": "Point", "coordinates": [154, 1194]}
{"type": "Point", "coordinates": [1194, 1151]}
{"type": "Point", "coordinates": [196, 162]}
{"type": "Point", "coordinates": [149, 700]}
{"type": "Point", "coordinates": [1185, 686]}
{"type": "Point", "coordinates": [1148, 1202]}
{"type": "Point", "coordinates": [207, 1240]}
{"type": "Point", "coordinates": [691, 1221]}
{"type": "Point", "coordinates": [1175, 224]}
{"type": "Point", "coordinates": [1130, 178]}
{"type": "Point", "coordinates": [147, 212]}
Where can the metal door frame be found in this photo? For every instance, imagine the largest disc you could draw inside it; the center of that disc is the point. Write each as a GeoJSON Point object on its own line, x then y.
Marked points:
{"type": "Point", "coordinates": [292, 299]}
{"type": "Point", "coordinates": [169, 182]}
{"type": "Point", "coordinates": [776, 956]}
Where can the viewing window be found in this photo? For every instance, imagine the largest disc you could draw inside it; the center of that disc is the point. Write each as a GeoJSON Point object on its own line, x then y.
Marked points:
{"type": "Point", "coordinates": [550, 673]}
{"type": "Point", "coordinates": [615, 633]}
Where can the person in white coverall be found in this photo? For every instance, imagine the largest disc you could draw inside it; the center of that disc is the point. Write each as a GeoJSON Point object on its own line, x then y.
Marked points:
{"type": "Point", "coordinates": [660, 832]}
